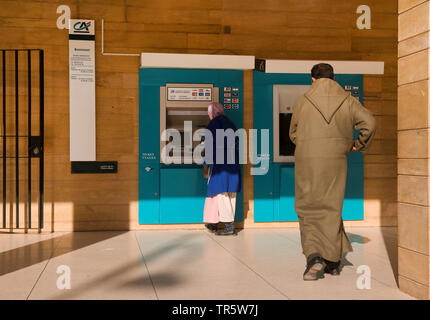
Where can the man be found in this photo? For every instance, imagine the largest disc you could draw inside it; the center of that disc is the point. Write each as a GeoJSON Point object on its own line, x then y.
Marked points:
{"type": "Point", "coordinates": [322, 128]}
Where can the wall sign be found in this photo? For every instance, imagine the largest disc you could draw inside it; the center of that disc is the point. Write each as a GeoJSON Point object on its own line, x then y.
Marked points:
{"type": "Point", "coordinates": [95, 167]}
{"type": "Point", "coordinates": [82, 90]}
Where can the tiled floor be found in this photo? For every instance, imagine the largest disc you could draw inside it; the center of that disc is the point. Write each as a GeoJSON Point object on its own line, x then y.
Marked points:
{"type": "Point", "coordinates": [184, 264]}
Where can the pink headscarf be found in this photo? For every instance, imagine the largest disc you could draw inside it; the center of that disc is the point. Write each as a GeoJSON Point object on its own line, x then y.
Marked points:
{"type": "Point", "coordinates": [215, 109]}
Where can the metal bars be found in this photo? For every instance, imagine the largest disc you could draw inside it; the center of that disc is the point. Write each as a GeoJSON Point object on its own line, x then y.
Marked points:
{"type": "Point", "coordinates": [12, 98]}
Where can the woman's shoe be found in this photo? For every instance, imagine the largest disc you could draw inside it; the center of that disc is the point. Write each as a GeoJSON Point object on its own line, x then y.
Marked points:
{"type": "Point", "coordinates": [212, 227]}
{"type": "Point", "coordinates": [228, 230]}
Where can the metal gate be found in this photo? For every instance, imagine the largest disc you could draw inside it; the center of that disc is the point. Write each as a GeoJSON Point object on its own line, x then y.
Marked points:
{"type": "Point", "coordinates": [21, 138]}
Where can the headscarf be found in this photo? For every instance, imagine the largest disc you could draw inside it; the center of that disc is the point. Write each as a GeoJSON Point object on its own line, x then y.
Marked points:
{"type": "Point", "coordinates": [215, 109]}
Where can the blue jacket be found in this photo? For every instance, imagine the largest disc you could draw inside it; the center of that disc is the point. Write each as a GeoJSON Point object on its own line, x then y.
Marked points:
{"type": "Point", "coordinates": [224, 177]}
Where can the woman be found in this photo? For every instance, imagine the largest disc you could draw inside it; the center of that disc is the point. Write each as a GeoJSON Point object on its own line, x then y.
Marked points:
{"type": "Point", "coordinates": [224, 179]}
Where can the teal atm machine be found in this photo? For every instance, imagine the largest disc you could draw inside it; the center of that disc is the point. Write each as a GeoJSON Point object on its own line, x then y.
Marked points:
{"type": "Point", "coordinates": [174, 93]}
{"type": "Point", "coordinates": [277, 85]}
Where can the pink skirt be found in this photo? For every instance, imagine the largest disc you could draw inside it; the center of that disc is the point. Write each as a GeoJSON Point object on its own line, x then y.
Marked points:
{"type": "Point", "coordinates": [210, 212]}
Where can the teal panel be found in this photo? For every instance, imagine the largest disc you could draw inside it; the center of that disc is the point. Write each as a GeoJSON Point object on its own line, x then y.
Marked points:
{"type": "Point", "coordinates": [274, 192]}
{"type": "Point", "coordinates": [353, 205]}
{"type": "Point", "coordinates": [149, 123]}
{"type": "Point", "coordinates": [287, 193]}
{"type": "Point", "coordinates": [149, 194]}
{"type": "Point", "coordinates": [160, 197]}
{"type": "Point", "coordinates": [263, 119]}
{"type": "Point", "coordinates": [149, 152]}
{"type": "Point", "coordinates": [277, 180]}
{"type": "Point", "coordinates": [180, 203]}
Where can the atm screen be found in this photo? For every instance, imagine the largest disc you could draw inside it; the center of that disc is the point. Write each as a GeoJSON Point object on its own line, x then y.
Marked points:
{"type": "Point", "coordinates": [286, 146]}
{"type": "Point", "coordinates": [284, 97]}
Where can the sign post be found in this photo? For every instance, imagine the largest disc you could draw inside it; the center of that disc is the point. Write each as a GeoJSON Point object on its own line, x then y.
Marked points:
{"type": "Point", "coordinates": [82, 90]}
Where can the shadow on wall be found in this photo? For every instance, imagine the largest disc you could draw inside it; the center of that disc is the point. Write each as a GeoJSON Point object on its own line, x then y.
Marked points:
{"type": "Point", "coordinates": [86, 202]}
{"type": "Point", "coordinates": [71, 202]}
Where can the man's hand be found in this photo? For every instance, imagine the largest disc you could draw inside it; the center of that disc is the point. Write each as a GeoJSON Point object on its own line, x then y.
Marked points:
{"type": "Point", "coordinates": [353, 149]}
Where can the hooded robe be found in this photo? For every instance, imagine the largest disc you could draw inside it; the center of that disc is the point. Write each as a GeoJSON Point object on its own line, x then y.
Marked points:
{"type": "Point", "coordinates": [322, 128]}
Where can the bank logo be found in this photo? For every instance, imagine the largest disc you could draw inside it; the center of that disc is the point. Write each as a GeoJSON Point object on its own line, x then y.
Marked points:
{"type": "Point", "coordinates": [82, 27]}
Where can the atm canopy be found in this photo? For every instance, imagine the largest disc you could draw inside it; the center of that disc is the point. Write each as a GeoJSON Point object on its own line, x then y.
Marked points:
{"type": "Point", "coordinates": [236, 62]}
{"type": "Point", "coordinates": [197, 61]}
{"type": "Point", "coordinates": [305, 66]}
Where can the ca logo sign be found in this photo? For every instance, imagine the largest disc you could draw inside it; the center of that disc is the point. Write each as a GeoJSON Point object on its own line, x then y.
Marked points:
{"type": "Point", "coordinates": [64, 280]}
{"type": "Point", "coordinates": [82, 27]}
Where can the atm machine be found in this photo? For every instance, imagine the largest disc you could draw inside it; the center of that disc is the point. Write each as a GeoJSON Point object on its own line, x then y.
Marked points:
{"type": "Point", "coordinates": [169, 96]}
{"type": "Point", "coordinates": [277, 85]}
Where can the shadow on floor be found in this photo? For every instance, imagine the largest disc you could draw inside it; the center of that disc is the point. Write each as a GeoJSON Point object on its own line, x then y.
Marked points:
{"type": "Point", "coordinates": [389, 234]}
{"type": "Point", "coordinates": [357, 238]}
{"type": "Point", "coordinates": [161, 278]}
{"type": "Point", "coordinates": [31, 254]}
{"type": "Point", "coordinates": [353, 238]}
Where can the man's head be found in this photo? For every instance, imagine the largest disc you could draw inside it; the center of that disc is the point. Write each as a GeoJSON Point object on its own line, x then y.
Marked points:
{"type": "Point", "coordinates": [322, 70]}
